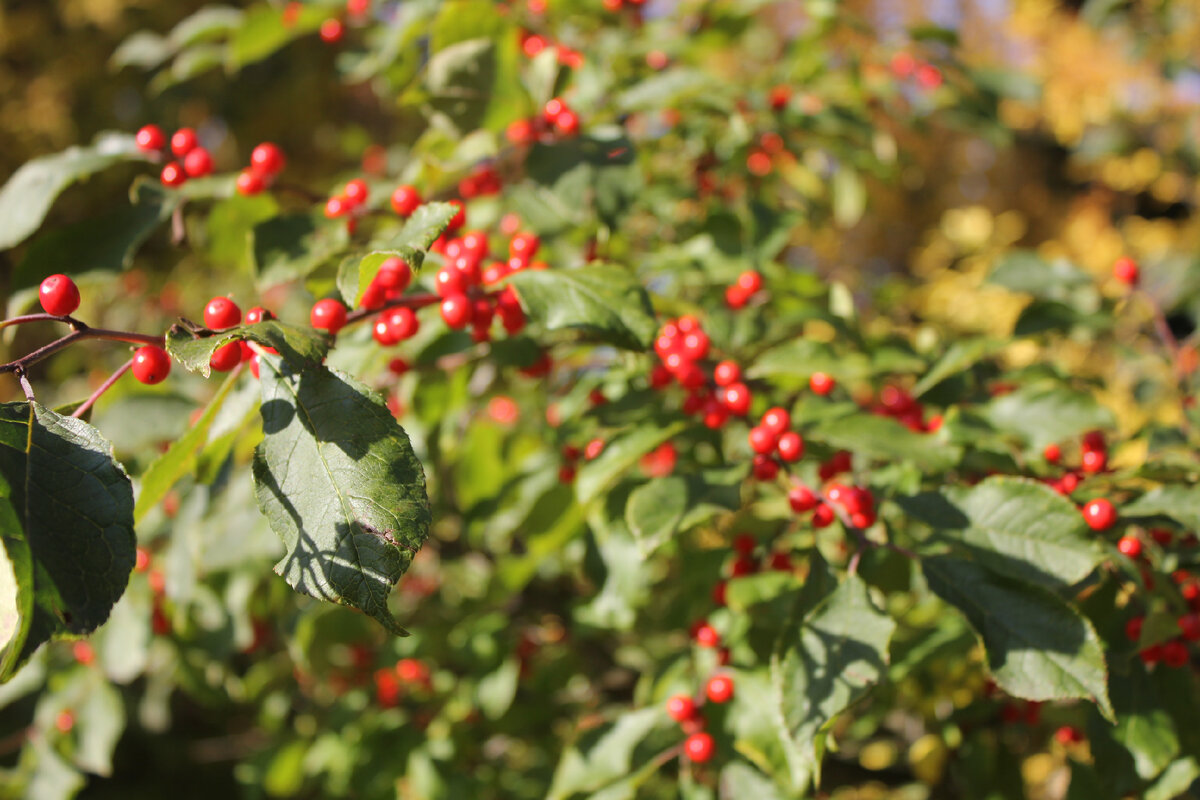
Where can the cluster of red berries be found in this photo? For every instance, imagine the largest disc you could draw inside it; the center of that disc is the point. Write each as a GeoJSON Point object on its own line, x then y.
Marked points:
{"type": "Point", "coordinates": [391, 682]}
{"type": "Point", "coordinates": [556, 117]}
{"type": "Point", "coordinates": [1173, 652]}
{"type": "Point", "coordinates": [699, 745]}
{"type": "Point", "coordinates": [532, 44]}
{"type": "Point", "coordinates": [770, 149]}
{"type": "Point", "coordinates": [905, 65]}
{"type": "Point", "coordinates": [350, 203]}
{"type": "Point", "coordinates": [193, 161]}
{"type": "Point", "coordinates": [332, 29]}
{"type": "Point", "coordinates": [747, 285]}
{"type": "Point", "coordinates": [744, 563]}
{"type": "Point", "coordinates": [901, 406]}
{"type": "Point", "coordinates": [616, 5]}
{"type": "Point", "coordinates": [222, 313]}
{"type": "Point", "coordinates": [484, 180]}
{"type": "Point", "coordinates": [266, 162]}
{"type": "Point", "coordinates": [1093, 453]}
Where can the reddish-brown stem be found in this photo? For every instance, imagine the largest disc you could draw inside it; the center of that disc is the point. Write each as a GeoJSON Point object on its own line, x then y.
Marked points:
{"type": "Point", "coordinates": [39, 318]}
{"type": "Point", "coordinates": [82, 332]}
{"type": "Point", "coordinates": [100, 390]}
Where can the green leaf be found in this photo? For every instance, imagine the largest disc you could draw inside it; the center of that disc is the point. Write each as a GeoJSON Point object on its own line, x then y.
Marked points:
{"type": "Point", "coordinates": [300, 347]}
{"type": "Point", "coordinates": [180, 458]}
{"type": "Point", "coordinates": [740, 780]}
{"type": "Point", "coordinates": [1174, 780]}
{"type": "Point", "coordinates": [420, 231]}
{"type": "Point", "coordinates": [459, 81]}
{"type": "Point", "coordinates": [884, 438]}
{"type": "Point", "coordinates": [658, 510]}
{"type": "Point", "coordinates": [959, 356]}
{"type": "Point", "coordinates": [106, 243]}
{"type": "Point", "coordinates": [602, 755]}
{"type": "Point", "coordinates": [1180, 503]}
{"type": "Point", "coordinates": [208, 23]}
{"type": "Point", "coordinates": [803, 357]}
{"type": "Point", "coordinates": [495, 692]}
{"type": "Point", "coordinates": [66, 518]}
{"type": "Point", "coordinates": [263, 31]}
{"type": "Point", "coordinates": [1015, 526]}
{"type": "Point", "coordinates": [338, 480]}
{"type": "Point", "coordinates": [822, 666]}
{"type": "Point", "coordinates": [290, 247]}
{"type": "Point", "coordinates": [29, 193]}
{"type": "Point", "coordinates": [1047, 412]}
{"type": "Point", "coordinates": [603, 302]}
{"type": "Point", "coordinates": [620, 454]}
{"type": "Point", "coordinates": [1026, 271]}
{"type": "Point", "coordinates": [1144, 729]}
{"type": "Point", "coordinates": [1038, 647]}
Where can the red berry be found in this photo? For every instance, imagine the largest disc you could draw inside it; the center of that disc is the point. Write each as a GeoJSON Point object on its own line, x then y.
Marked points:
{"type": "Point", "coordinates": [737, 398]}
{"type": "Point", "coordinates": [173, 175]}
{"type": "Point", "coordinates": [681, 708]}
{"type": "Point", "coordinates": [1068, 734]}
{"type": "Point", "coordinates": [764, 468]}
{"type": "Point", "coordinates": [821, 383]}
{"type": "Point", "coordinates": [567, 123]}
{"type": "Point", "coordinates": [1130, 546]}
{"type": "Point", "coordinates": [394, 274]}
{"type": "Point", "coordinates": [699, 747]}
{"type": "Point", "coordinates": [456, 311]}
{"type": "Point", "coordinates": [83, 653]}
{"type": "Point", "coordinates": [1189, 626]}
{"type": "Point", "coordinates": [221, 313]}
{"type": "Point", "coordinates": [744, 543]}
{"type": "Point", "coordinates": [1099, 514]}
{"type": "Point", "coordinates": [150, 138]}
{"type": "Point", "coordinates": [762, 440]}
{"type": "Point", "coordinates": [1093, 461]}
{"type": "Point", "coordinates": [706, 636]}
{"type": "Point", "coordinates": [65, 721]}
{"type": "Point", "coordinates": [183, 141]}
{"type": "Point", "coordinates": [257, 315]}
{"type": "Point", "coordinates": [776, 420]}
{"type": "Point", "coordinates": [552, 109]}
{"type": "Point", "coordinates": [822, 515]}
{"type": "Point", "coordinates": [336, 207]}
{"type": "Point", "coordinates": [1093, 441]}
{"type": "Point", "coordinates": [356, 191]}
{"type": "Point", "coordinates": [226, 357]}
{"type": "Point", "coordinates": [267, 159]}
{"type": "Point", "coordinates": [332, 30]}
{"type": "Point", "coordinates": [791, 447]}
{"type": "Point", "coordinates": [1052, 454]}
{"type": "Point", "coordinates": [1175, 654]}
{"type": "Point", "coordinates": [719, 688]}
{"type": "Point", "coordinates": [802, 499]}
{"type": "Point", "coordinates": [521, 132]}
{"type": "Point", "coordinates": [405, 200]}
{"type": "Point", "coordinates": [524, 244]}
{"type": "Point", "coordinates": [328, 314]}
{"type": "Point", "coordinates": [59, 295]}
{"type": "Point", "coordinates": [151, 364]}
{"type": "Point", "coordinates": [402, 323]}
{"type": "Point", "coordinates": [749, 282]}
{"type": "Point", "coordinates": [249, 183]}
{"type": "Point", "coordinates": [197, 163]}
{"type": "Point", "coordinates": [726, 373]}
{"type": "Point", "coordinates": [1126, 271]}
{"type": "Point", "coordinates": [593, 449]}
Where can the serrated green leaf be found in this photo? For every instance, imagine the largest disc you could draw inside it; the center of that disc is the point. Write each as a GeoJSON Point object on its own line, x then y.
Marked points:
{"type": "Point", "coordinates": [1047, 412]}
{"type": "Point", "coordinates": [603, 302]}
{"type": "Point", "coordinates": [884, 438]}
{"type": "Point", "coordinates": [1015, 526]}
{"type": "Point", "coordinates": [66, 517]}
{"type": "Point", "coordinates": [823, 665]}
{"type": "Point", "coordinates": [29, 193]}
{"type": "Point", "coordinates": [180, 458]}
{"type": "Point", "coordinates": [1038, 647]}
{"type": "Point", "coordinates": [338, 480]}
{"type": "Point", "coordinates": [299, 347]}
{"type": "Point", "coordinates": [1180, 503]}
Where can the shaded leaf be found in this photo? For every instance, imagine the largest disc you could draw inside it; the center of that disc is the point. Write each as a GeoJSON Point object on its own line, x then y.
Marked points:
{"type": "Point", "coordinates": [603, 302]}
{"type": "Point", "coordinates": [299, 347]}
{"type": "Point", "coordinates": [289, 247]}
{"type": "Point", "coordinates": [1047, 412]}
{"type": "Point", "coordinates": [1038, 647]}
{"type": "Point", "coordinates": [1180, 503]}
{"type": "Point", "coordinates": [338, 480]}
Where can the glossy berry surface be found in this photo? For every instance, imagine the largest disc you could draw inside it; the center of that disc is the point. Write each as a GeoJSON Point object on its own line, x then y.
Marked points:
{"type": "Point", "coordinates": [226, 357]}
{"type": "Point", "coordinates": [405, 200]}
{"type": "Point", "coordinates": [699, 747]}
{"type": "Point", "coordinates": [221, 313]}
{"type": "Point", "coordinates": [150, 138]}
{"type": "Point", "coordinates": [456, 311]}
{"type": "Point", "coordinates": [821, 383]}
{"type": "Point", "coordinates": [183, 141]}
{"type": "Point", "coordinates": [719, 689]}
{"type": "Point", "coordinates": [197, 163]}
{"type": "Point", "coordinates": [59, 295]}
{"type": "Point", "coordinates": [151, 364]}
{"type": "Point", "coordinates": [267, 159]}
{"type": "Point", "coordinates": [681, 707]}
{"type": "Point", "coordinates": [1126, 270]}
{"type": "Point", "coordinates": [1129, 546]}
{"type": "Point", "coordinates": [1099, 514]}
{"type": "Point", "coordinates": [328, 314]}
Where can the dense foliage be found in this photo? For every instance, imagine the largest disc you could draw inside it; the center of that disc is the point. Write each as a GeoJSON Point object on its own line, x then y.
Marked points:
{"type": "Point", "coordinates": [715, 400]}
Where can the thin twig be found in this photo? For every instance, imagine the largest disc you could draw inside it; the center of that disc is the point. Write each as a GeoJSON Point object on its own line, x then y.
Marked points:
{"type": "Point", "coordinates": [25, 385]}
{"type": "Point", "coordinates": [81, 333]}
{"type": "Point", "coordinates": [38, 318]}
{"type": "Point", "coordinates": [413, 301]}
{"type": "Point", "coordinates": [104, 387]}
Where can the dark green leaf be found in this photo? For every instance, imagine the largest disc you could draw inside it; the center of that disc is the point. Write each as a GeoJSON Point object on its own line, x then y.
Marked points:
{"type": "Point", "coordinates": [29, 193]}
{"type": "Point", "coordinates": [1015, 526]}
{"type": "Point", "coordinates": [603, 302]}
{"type": "Point", "coordinates": [884, 438]}
{"type": "Point", "coordinates": [290, 247]}
{"type": "Point", "coordinates": [1180, 503]}
{"type": "Point", "coordinates": [66, 515]}
{"type": "Point", "coordinates": [339, 482]}
{"type": "Point", "coordinates": [665, 506]}
{"type": "Point", "coordinates": [459, 81]}
{"type": "Point", "coordinates": [300, 347]}
{"type": "Point", "coordinates": [1038, 647]}
{"type": "Point", "coordinates": [420, 231]}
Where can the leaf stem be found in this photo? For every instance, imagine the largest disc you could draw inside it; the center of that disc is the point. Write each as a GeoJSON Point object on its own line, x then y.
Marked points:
{"type": "Point", "coordinates": [104, 387]}
{"type": "Point", "coordinates": [38, 318]}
